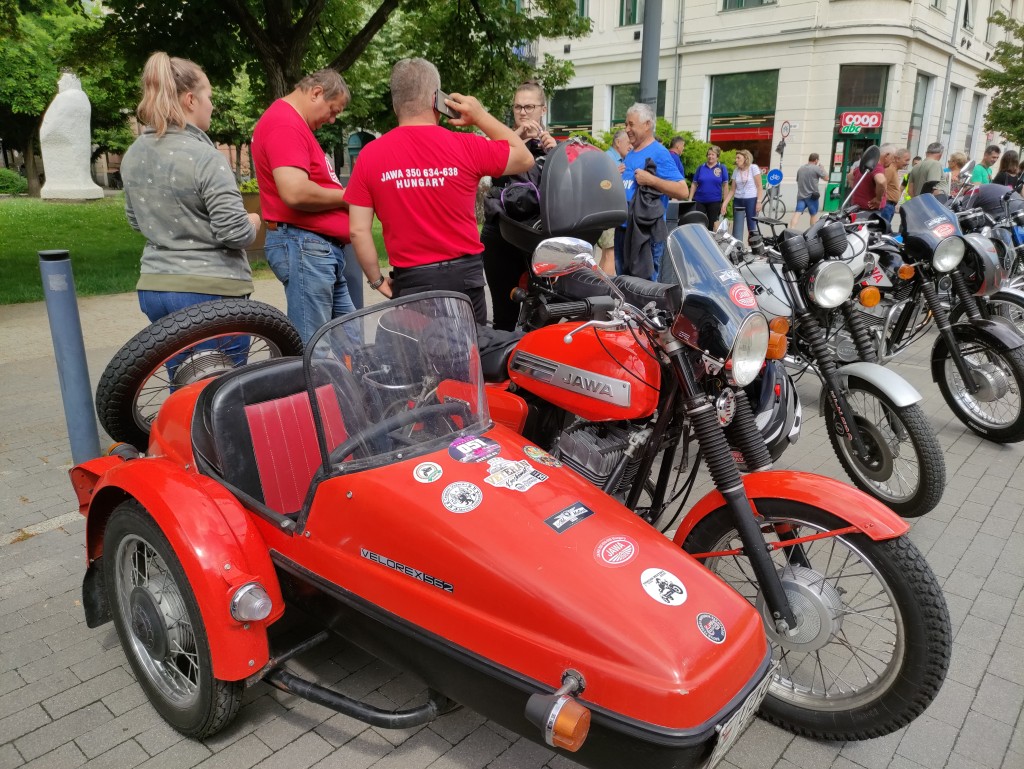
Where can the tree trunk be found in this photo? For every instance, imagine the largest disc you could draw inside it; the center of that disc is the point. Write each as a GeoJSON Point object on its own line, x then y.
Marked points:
{"type": "Point", "coordinates": [30, 168]}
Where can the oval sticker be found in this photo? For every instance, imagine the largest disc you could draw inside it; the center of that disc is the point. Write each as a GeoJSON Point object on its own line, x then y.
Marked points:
{"type": "Point", "coordinates": [663, 586]}
{"type": "Point", "coordinates": [605, 184]}
{"type": "Point", "coordinates": [711, 627]}
{"type": "Point", "coordinates": [742, 296]}
{"type": "Point", "coordinates": [615, 551]}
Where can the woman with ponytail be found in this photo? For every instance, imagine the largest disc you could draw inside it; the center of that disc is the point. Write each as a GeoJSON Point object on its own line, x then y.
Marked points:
{"type": "Point", "coordinates": [181, 194]}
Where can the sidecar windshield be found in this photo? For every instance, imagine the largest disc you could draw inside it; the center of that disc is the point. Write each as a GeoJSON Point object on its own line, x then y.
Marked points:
{"type": "Point", "coordinates": [396, 380]}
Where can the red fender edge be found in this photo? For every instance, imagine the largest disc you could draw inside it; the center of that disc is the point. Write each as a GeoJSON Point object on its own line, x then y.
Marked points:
{"type": "Point", "coordinates": [213, 536]}
{"type": "Point", "coordinates": [871, 517]}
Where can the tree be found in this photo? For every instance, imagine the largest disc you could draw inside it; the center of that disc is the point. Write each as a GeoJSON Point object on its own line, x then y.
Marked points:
{"type": "Point", "coordinates": [238, 109]}
{"type": "Point", "coordinates": [1006, 111]}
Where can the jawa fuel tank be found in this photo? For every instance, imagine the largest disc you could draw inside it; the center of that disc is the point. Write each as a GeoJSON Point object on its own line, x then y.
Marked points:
{"type": "Point", "coordinates": [598, 375]}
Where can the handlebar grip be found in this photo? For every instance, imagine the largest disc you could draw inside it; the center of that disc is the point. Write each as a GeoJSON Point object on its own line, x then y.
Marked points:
{"type": "Point", "coordinates": [569, 310]}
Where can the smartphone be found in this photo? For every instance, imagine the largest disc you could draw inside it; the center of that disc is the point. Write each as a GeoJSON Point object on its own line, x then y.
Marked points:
{"type": "Point", "coordinates": [444, 109]}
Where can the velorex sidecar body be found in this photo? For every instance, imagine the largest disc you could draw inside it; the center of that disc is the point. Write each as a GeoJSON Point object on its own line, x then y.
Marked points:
{"type": "Point", "coordinates": [366, 483]}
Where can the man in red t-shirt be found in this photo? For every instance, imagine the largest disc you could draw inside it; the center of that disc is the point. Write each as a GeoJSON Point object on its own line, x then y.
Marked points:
{"type": "Point", "coordinates": [421, 181]}
{"type": "Point", "coordinates": [303, 204]}
{"type": "Point", "coordinates": [870, 195]}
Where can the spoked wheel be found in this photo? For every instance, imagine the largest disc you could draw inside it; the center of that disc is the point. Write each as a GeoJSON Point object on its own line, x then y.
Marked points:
{"type": "Point", "coordinates": [873, 639]}
{"type": "Point", "coordinates": [1008, 306]}
{"type": "Point", "coordinates": [195, 343]}
{"type": "Point", "coordinates": [996, 410]}
{"type": "Point", "coordinates": [160, 627]}
{"type": "Point", "coordinates": [773, 207]}
{"type": "Point", "coordinates": [903, 468]}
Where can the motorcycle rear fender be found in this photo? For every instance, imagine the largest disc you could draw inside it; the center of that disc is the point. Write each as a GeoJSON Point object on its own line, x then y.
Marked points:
{"type": "Point", "coordinates": [854, 507]}
{"type": "Point", "coordinates": [998, 332]}
{"type": "Point", "coordinates": [898, 389]}
{"type": "Point", "coordinates": [214, 538]}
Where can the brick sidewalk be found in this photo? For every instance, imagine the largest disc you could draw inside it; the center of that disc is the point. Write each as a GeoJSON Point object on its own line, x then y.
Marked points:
{"type": "Point", "coordinates": [68, 698]}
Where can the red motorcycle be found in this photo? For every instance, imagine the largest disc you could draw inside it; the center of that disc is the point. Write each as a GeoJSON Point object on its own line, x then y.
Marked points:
{"type": "Point", "coordinates": [856, 617]}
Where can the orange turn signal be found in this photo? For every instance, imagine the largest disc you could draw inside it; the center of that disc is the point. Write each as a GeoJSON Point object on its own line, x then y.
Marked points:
{"type": "Point", "coordinates": [906, 271]}
{"type": "Point", "coordinates": [779, 325]}
{"type": "Point", "coordinates": [563, 721]}
{"type": "Point", "coordinates": [870, 296]}
{"type": "Point", "coordinates": [777, 346]}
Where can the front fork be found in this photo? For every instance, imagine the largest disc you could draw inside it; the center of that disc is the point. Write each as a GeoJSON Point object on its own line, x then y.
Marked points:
{"type": "Point", "coordinates": [946, 330]}
{"type": "Point", "coordinates": [726, 475]}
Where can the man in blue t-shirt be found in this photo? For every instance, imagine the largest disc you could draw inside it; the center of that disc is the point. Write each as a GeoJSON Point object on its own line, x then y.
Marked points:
{"type": "Point", "coordinates": [667, 180]}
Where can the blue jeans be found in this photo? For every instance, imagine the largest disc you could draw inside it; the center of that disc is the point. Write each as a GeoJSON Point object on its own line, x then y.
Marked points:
{"type": "Point", "coordinates": [657, 249]}
{"type": "Point", "coordinates": [157, 304]}
{"type": "Point", "coordinates": [743, 208]}
{"type": "Point", "coordinates": [887, 211]}
{"type": "Point", "coordinates": [312, 270]}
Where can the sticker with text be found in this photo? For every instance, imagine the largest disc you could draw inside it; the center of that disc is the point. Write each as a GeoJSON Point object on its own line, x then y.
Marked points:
{"type": "Point", "coordinates": [742, 296]}
{"type": "Point", "coordinates": [427, 472]}
{"type": "Point", "coordinates": [663, 586]}
{"type": "Point", "coordinates": [712, 627]}
{"type": "Point", "coordinates": [409, 571]}
{"type": "Point", "coordinates": [944, 230]}
{"type": "Point", "coordinates": [541, 456]}
{"type": "Point", "coordinates": [615, 551]}
{"type": "Point", "coordinates": [518, 476]}
{"type": "Point", "coordinates": [565, 519]}
{"type": "Point", "coordinates": [471, 448]}
{"type": "Point", "coordinates": [461, 497]}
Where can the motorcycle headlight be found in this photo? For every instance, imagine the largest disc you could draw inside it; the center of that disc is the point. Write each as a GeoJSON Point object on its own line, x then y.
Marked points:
{"type": "Point", "coordinates": [948, 254]}
{"type": "Point", "coordinates": [748, 350]}
{"type": "Point", "coordinates": [830, 284]}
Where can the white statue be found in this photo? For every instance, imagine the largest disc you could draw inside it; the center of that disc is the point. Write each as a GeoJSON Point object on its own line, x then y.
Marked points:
{"type": "Point", "coordinates": [67, 144]}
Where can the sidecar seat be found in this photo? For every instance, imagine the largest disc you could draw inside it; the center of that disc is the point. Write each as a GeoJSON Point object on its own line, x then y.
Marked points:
{"type": "Point", "coordinates": [253, 428]}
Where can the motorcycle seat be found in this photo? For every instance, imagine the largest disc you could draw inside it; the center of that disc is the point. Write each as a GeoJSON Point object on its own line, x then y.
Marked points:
{"type": "Point", "coordinates": [640, 293]}
{"type": "Point", "coordinates": [496, 348]}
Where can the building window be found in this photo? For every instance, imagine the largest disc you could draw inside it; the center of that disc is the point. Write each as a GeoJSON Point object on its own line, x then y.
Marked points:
{"type": "Point", "coordinates": [734, 5]}
{"type": "Point", "coordinates": [972, 129]}
{"type": "Point", "coordinates": [949, 119]}
{"type": "Point", "coordinates": [968, 20]}
{"type": "Point", "coordinates": [862, 86]}
{"type": "Point", "coordinates": [743, 112]}
{"type": "Point", "coordinates": [625, 96]}
{"type": "Point", "coordinates": [940, 4]}
{"type": "Point", "coordinates": [921, 88]}
{"type": "Point", "coordinates": [572, 108]}
{"type": "Point", "coordinates": [582, 8]}
{"type": "Point", "coordinates": [631, 12]}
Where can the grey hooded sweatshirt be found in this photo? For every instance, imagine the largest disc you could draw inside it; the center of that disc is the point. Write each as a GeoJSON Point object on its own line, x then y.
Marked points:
{"type": "Point", "coordinates": [180, 193]}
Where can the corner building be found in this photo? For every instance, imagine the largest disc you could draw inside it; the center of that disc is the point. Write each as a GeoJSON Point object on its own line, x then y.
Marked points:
{"type": "Point", "coordinates": [740, 73]}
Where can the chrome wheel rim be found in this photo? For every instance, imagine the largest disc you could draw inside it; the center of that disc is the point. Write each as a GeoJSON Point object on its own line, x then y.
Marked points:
{"type": "Point", "coordinates": [157, 625]}
{"type": "Point", "coordinates": [996, 377]}
{"type": "Point", "coordinates": [893, 469]}
{"type": "Point", "coordinates": [864, 647]}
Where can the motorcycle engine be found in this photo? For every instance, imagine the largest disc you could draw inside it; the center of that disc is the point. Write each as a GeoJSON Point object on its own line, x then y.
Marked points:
{"type": "Point", "coordinates": [593, 451]}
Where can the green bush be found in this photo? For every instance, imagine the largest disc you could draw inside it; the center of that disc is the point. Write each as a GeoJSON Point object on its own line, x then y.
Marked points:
{"type": "Point", "coordinates": [12, 183]}
{"type": "Point", "coordinates": [249, 185]}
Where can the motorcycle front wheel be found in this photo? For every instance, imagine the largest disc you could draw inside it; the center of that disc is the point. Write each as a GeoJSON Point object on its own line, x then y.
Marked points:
{"type": "Point", "coordinates": [996, 410]}
{"type": "Point", "coordinates": [1003, 305]}
{"type": "Point", "coordinates": [873, 639]}
{"type": "Point", "coordinates": [903, 468]}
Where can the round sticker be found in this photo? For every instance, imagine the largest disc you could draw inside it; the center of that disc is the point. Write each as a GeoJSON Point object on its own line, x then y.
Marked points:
{"type": "Point", "coordinates": [944, 230]}
{"type": "Point", "coordinates": [615, 551]}
{"type": "Point", "coordinates": [427, 472]}
{"type": "Point", "coordinates": [663, 586]}
{"type": "Point", "coordinates": [471, 448]}
{"type": "Point", "coordinates": [712, 627]}
{"type": "Point", "coordinates": [742, 296]}
{"type": "Point", "coordinates": [605, 184]}
{"type": "Point", "coordinates": [541, 456]}
{"type": "Point", "coordinates": [718, 171]}
{"type": "Point", "coordinates": [461, 496]}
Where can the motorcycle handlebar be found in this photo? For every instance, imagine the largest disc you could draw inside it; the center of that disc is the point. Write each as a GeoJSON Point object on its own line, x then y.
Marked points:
{"type": "Point", "coordinates": [569, 310]}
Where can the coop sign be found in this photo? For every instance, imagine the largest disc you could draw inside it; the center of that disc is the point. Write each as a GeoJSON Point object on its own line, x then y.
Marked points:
{"type": "Point", "coordinates": [860, 119]}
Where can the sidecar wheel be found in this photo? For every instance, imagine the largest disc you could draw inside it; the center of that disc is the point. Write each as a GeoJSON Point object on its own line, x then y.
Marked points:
{"type": "Point", "coordinates": [904, 468]}
{"type": "Point", "coordinates": [192, 344]}
{"type": "Point", "coordinates": [996, 412]}
{"type": "Point", "coordinates": [160, 627]}
{"type": "Point", "coordinates": [874, 639]}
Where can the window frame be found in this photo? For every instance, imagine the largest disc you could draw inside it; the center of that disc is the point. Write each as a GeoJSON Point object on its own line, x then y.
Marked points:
{"type": "Point", "coordinates": [637, 16]}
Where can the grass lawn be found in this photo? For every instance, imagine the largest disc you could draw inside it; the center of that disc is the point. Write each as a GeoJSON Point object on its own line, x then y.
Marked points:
{"type": "Point", "coordinates": [105, 251]}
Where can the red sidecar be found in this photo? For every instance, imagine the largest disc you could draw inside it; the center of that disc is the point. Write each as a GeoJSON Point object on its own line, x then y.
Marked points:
{"type": "Point", "coordinates": [367, 484]}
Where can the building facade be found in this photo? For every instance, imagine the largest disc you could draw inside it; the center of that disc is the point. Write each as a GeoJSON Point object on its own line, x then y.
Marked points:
{"type": "Point", "coordinates": [834, 76]}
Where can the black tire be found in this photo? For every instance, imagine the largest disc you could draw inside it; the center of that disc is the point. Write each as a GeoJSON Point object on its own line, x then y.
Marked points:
{"type": "Point", "coordinates": [1001, 419]}
{"type": "Point", "coordinates": [1008, 306]}
{"type": "Point", "coordinates": [896, 571]}
{"type": "Point", "coordinates": [136, 381]}
{"type": "Point", "coordinates": [774, 208]}
{"type": "Point", "coordinates": [905, 469]}
{"type": "Point", "coordinates": [173, 664]}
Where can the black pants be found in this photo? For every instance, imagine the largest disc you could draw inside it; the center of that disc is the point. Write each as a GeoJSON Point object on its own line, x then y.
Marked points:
{"type": "Point", "coordinates": [504, 265]}
{"type": "Point", "coordinates": [464, 274]}
{"type": "Point", "coordinates": [713, 211]}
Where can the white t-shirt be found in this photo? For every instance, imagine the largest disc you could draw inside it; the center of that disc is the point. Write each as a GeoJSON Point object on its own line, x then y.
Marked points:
{"type": "Point", "coordinates": [745, 187]}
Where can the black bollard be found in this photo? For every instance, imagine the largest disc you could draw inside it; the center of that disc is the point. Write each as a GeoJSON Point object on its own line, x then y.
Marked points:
{"type": "Point", "coordinates": [69, 351]}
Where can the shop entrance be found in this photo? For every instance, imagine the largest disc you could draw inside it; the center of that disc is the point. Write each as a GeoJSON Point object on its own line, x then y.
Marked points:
{"type": "Point", "coordinates": [846, 152]}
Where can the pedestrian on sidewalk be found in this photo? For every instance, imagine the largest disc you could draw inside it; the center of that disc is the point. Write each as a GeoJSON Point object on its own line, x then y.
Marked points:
{"type": "Point", "coordinates": [808, 197]}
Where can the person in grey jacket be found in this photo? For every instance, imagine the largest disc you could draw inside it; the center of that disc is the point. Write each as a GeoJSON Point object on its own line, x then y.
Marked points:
{"type": "Point", "coordinates": [181, 194]}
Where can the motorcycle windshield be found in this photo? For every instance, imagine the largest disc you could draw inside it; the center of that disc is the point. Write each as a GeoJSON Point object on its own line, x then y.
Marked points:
{"type": "Point", "coordinates": [927, 221]}
{"type": "Point", "coordinates": [716, 299]}
{"type": "Point", "coordinates": [396, 380]}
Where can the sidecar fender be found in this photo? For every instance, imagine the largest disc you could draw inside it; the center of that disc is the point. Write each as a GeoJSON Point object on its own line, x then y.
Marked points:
{"type": "Point", "coordinates": [887, 381]}
{"type": "Point", "coordinates": [999, 332]}
{"type": "Point", "coordinates": [871, 517]}
{"type": "Point", "coordinates": [214, 538]}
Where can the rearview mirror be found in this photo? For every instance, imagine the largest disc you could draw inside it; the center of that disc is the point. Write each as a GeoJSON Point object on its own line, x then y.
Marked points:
{"type": "Point", "coordinates": [965, 172]}
{"type": "Point", "coordinates": [869, 159]}
{"type": "Point", "coordinates": [555, 257]}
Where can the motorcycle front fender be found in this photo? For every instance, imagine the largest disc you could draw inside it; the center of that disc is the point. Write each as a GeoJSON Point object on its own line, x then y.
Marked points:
{"type": "Point", "coordinates": [854, 507]}
{"type": "Point", "coordinates": [887, 381]}
{"type": "Point", "coordinates": [213, 537]}
{"type": "Point", "coordinates": [997, 332]}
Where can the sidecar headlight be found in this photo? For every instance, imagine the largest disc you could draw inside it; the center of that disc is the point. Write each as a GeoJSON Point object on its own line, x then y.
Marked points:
{"type": "Point", "coordinates": [748, 351]}
{"type": "Point", "coordinates": [948, 254]}
{"type": "Point", "coordinates": [830, 284]}
{"type": "Point", "coordinates": [250, 603]}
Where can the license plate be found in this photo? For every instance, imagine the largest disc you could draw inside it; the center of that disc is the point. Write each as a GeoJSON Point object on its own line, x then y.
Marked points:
{"type": "Point", "coordinates": [731, 730]}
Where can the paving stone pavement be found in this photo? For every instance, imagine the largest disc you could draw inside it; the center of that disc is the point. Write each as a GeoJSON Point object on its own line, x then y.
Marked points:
{"type": "Point", "coordinates": [68, 697]}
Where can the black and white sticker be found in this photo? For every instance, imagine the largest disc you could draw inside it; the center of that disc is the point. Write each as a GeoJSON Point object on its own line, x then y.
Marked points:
{"type": "Point", "coordinates": [712, 627]}
{"type": "Point", "coordinates": [461, 496]}
{"type": "Point", "coordinates": [472, 448]}
{"type": "Point", "coordinates": [565, 519]}
{"type": "Point", "coordinates": [663, 586]}
{"type": "Point", "coordinates": [427, 472]}
{"type": "Point", "coordinates": [729, 276]}
{"type": "Point", "coordinates": [615, 551]}
{"type": "Point", "coordinates": [409, 571]}
{"type": "Point", "coordinates": [518, 476]}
